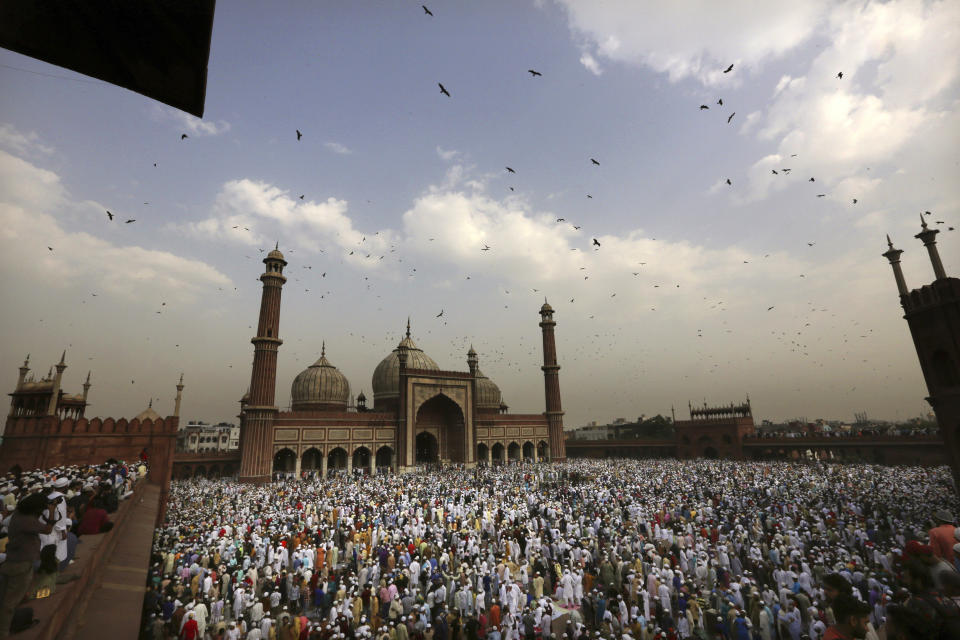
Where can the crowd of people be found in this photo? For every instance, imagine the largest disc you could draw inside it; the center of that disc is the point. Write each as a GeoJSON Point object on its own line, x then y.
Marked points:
{"type": "Point", "coordinates": [581, 550]}
{"type": "Point", "coordinates": [45, 514]}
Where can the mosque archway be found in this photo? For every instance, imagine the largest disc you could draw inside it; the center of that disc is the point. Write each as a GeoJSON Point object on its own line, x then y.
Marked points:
{"type": "Point", "coordinates": [543, 451]}
{"type": "Point", "coordinates": [229, 471]}
{"type": "Point", "coordinates": [513, 452]}
{"type": "Point", "coordinates": [710, 452]}
{"type": "Point", "coordinates": [528, 450]}
{"type": "Point", "coordinates": [214, 472]}
{"type": "Point", "coordinates": [337, 459]}
{"type": "Point", "coordinates": [200, 472]}
{"type": "Point", "coordinates": [443, 417]}
{"type": "Point", "coordinates": [384, 458]}
{"type": "Point", "coordinates": [312, 460]}
{"type": "Point", "coordinates": [498, 452]}
{"type": "Point", "coordinates": [426, 448]}
{"type": "Point", "coordinates": [284, 460]}
{"type": "Point", "coordinates": [361, 458]}
{"type": "Point", "coordinates": [482, 452]}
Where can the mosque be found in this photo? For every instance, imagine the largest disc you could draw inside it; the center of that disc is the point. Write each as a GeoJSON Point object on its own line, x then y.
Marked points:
{"type": "Point", "coordinates": [420, 414]}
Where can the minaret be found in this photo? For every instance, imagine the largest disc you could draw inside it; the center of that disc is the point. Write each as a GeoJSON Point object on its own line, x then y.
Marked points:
{"type": "Point", "coordinates": [176, 403]}
{"type": "Point", "coordinates": [893, 255]}
{"type": "Point", "coordinates": [55, 391]}
{"type": "Point", "coordinates": [406, 447]}
{"type": "Point", "coordinates": [931, 315]}
{"type": "Point", "coordinates": [472, 361]}
{"type": "Point", "coordinates": [20, 379]}
{"type": "Point", "coordinates": [256, 423]}
{"type": "Point", "coordinates": [551, 385]}
{"type": "Point", "coordinates": [86, 393]}
{"type": "Point", "coordinates": [23, 371]}
{"type": "Point", "coordinates": [929, 238]}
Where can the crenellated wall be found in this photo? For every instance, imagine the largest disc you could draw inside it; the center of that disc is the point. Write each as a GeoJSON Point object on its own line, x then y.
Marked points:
{"type": "Point", "coordinates": [49, 441]}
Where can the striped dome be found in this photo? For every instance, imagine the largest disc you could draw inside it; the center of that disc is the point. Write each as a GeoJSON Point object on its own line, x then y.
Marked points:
{"type": "Point", "coordinates": [386, 377]}
{"type": "Point", "coordinates": [320, 386]}
{"type": "Point", "coordinates": [488, 393]}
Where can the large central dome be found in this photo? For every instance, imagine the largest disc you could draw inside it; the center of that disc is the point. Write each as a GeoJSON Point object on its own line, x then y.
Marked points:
{"type": "Point", "coordinates": [386, 377]}
{"type": "Point", "coordinates": [320, 386]}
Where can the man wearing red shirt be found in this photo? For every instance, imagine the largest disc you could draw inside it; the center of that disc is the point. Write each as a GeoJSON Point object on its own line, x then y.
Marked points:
{"type": "Point", "coordinates": [190, 629]}
{"type": "Point", "coordinates": [941, 536]}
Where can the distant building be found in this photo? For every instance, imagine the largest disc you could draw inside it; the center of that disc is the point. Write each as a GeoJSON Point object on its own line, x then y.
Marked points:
{"type": "Point", "coordinates": [46, 428]}
{"type": "Point", "coordinates": [715, 432]}
{"type": "Point", "coordinates": [199, 437]}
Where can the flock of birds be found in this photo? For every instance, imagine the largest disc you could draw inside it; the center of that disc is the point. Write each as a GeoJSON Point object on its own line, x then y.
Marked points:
{"type": "Point", "coordinates": [601, 344]}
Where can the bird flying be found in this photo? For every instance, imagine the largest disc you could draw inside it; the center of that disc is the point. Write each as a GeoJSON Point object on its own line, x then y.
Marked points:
{"type": "Point", "coordinates": [728, 69]}
{"type": "Point", "coordinates": [534, 73]}
{"type": "Point", "coordinates": [769, 308]}
{"type": "Point", "coordinates": [596, 242]}
{"type": "Point", "coordinates": [443, 89]}
{"type": "Point", "coordinates": [731, 117]}
{"type": "Point", "coordinates": [299, 135]}
{"type": "Point", "coordinates": [728, 181]}
{"type": "Point", "coordinates": [184, 136]}
{"type": "Point", "coordinates": [130, 220]}
{"type": "Point", "coordinates": [109, 215]}
{"type": "Point", "coordinates": [426, 11]}
{"type": "Point", "coordinates": [440, 314]}
{"type": "Point", "coordinates": [703, 106]}
{"type": "Point", "coordinates": [840, 75]}
{"type": "Point", "coordinates": [485, 248]}
{"type": "Point", "coordinates": [594, 162]}
{"type": "Point", "coordinates": [720, 102]}
{"type": "Point", "coordinates": [510, 170]}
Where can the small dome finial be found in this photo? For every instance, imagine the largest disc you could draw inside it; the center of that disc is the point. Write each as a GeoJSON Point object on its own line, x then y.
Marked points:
{"type": "Point", "coordinates": [923, 223]}
{"type": "Point", "coordinates": [276, 247]}
{"type": "Point", "coordinates": [150, 404]}
{"type": "Point", "coordinates": [323, 349]}
{"type": "Point", "coordinates": [408, 326]}
{"type": "Point", "coordinates": [889, 241]}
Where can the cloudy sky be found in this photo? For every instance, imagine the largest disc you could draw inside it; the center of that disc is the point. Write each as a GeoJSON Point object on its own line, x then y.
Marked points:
{"type": "Point", "coordinates": [384, 205]}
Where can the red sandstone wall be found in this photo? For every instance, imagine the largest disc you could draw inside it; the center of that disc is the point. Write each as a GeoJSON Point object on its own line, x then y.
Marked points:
{"type": "Point", "coordinates": [41, 443]}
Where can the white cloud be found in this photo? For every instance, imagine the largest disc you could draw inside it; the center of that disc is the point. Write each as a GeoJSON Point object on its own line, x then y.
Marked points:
{"type": "Point", "coordinates": [590, 63]}
{"type": "Point", "coordinates": [256, 213]}
{"type": "Point", "coordinates": [186, 123]}
{"type": "Point", "coordinates": [21, 143]}
{"type": "Point", "coordinates": [692, 38]}
{"type": "Point", "coordinates": [447, 154]}
{"type": "Point", "coordinates": [30, 198]}
{"type": "Point", "coordinates": [336, 147]}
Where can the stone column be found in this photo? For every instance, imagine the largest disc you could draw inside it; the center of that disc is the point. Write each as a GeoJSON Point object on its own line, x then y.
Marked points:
{"type": "Point", "coordinates": [296, 467]}
{"type": "Point", "coordinates": [349, 464]}
{"type": "Point", "coordinates": [535, 454]}
{"type": "Point", "coordinates": [490, 456]}
{"type": "Point", "coordinates": [373, 461]}
{"type": "Point", "coordinates": [323, 465]}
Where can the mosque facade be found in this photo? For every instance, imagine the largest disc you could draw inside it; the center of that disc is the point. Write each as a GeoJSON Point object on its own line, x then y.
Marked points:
{"type": "Point", "coordinates": [419, 414]}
